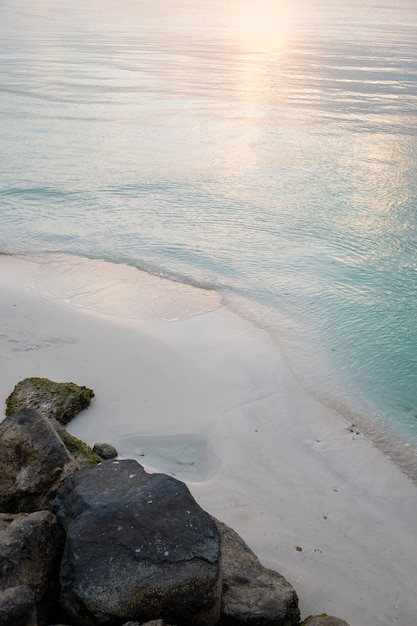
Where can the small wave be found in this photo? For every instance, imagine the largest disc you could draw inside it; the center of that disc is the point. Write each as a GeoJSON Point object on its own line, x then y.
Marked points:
{"type": "Point", "coordinates": [119, 290]}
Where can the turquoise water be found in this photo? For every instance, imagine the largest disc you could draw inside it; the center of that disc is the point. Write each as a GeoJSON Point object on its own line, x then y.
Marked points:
{"type": "Point", "coordinates": [267, 150]}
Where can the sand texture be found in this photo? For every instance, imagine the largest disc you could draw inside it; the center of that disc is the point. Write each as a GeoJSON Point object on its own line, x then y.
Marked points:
{"type": "Point", "coordinates": [186, 387]}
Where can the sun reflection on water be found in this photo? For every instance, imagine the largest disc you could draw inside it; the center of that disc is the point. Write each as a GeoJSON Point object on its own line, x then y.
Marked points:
{"type": "Point", "coordinates": [266, 24]}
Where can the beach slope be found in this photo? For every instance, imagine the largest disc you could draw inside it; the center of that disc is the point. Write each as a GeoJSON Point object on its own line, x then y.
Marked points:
{"type": "Point", "coordinates": [187, 387]}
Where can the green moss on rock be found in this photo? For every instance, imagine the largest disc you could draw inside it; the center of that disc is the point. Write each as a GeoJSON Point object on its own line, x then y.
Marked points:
{"type": "Point", "coordinates": [293, 616]}
{"type": "Point", "coordinates": [60, 401]}
{"type": "Point", "coordinates": [81, 452]}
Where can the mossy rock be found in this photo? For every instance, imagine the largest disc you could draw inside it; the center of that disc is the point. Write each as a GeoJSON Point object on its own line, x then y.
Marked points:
{"type": "Point", "coordinates": [79, 450]}
{"type": "Point", "coordinates": [60, 401]}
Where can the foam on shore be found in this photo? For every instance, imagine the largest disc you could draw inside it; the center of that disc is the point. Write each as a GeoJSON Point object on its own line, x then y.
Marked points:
{"type": "Point", "coordinates": [187, 387]}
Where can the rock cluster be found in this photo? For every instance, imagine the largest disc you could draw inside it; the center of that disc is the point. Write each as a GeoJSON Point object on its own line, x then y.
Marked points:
{"type": "Point", "coordinates": [111, 545]}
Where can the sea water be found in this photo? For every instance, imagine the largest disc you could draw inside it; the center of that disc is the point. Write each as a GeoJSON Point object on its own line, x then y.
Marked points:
{"type": "Point", "coordinates": [266, 150]}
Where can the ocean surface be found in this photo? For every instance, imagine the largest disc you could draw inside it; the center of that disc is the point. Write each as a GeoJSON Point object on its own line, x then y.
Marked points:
{"type": "Point", "coordinates": [266, 150]}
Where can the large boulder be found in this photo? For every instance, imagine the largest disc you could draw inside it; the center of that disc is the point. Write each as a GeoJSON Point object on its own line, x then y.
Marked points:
{"type": "Point", "coordinates": [252, 594]}
{"type": "Point", "coordinates": [61, 401]}
{"type": "Point", "coordinates": [30, 552]}
{"type": "Point", "coordinates": [33, 462]}
{"type": "Point", "coordinates": [138, 548]}
{"type": "Point", "coordinates": [17, 607]}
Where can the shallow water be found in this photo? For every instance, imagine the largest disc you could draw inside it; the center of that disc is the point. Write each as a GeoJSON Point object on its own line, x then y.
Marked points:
{"type": "Point", "coordinates": [265, 151]}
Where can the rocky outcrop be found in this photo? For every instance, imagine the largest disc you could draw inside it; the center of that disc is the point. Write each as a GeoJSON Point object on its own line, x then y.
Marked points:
{"type": "Point", "coordinates": [33, 462]}
{"type": "Point", "coordinates": [61, 401]}
{"type": "Point", "coordinates": [138, 547]}
{"type": "Point", "coordinates": [30, 551]}
{"type": "Point", "coordinates": [252, 594]}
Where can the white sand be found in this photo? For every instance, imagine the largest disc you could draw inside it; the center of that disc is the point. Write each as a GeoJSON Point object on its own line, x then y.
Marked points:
{"type": "Point", "coordinates": [209, 399]}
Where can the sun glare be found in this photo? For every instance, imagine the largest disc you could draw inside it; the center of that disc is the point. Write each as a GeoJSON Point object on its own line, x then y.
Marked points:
{"type": "Point", "coordinates": [267, 23]}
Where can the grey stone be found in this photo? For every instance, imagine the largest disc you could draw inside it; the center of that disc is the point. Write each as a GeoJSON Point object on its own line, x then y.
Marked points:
{"type": "Point", "coordinates": [33, 462]}
{"type": "Point", "coordinates": [138, 548]}
{"type": "Point", "coordinates": [105, 450]}
{"type": "Point", "coordinates": [252, 594]}
{"type": "Point", "coordinates": [17, 607]}
{"type": "Point", "coordinates": [31, 546]}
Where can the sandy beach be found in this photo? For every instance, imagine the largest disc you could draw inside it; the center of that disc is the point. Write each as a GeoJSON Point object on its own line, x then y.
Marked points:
{"type": "Point", "coordinates": [186, 387]}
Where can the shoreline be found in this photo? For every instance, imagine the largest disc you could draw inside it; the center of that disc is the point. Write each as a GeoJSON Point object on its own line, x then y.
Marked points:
{"type": "Point", "coordinates": [198, 392]}
{"type": "Point", "coordinates": [326, 384]}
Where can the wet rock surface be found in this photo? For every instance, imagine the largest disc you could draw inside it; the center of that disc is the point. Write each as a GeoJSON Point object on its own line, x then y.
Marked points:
{"type": "Point", "coordinates": [33, 462]}
{"type": "Point", "coordinates": [138, 547]}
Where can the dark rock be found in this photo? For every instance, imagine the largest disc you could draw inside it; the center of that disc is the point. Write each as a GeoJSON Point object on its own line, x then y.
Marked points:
{"type": "Point", "coordinates": [33, 462]}
{"type": "Point", "coordinates": [324, 620]}
{"type": "Point", "coordinates": [252, 594]}
{"type": "Point", "coordinates": [138, 548]}
{"type": "Point", "coordinates": [105, 450]}
{"type": "Point", "coordinates": [153, 622]}
{"type": "Point", "coordinates": [30, 551]}
{"type": "Point", "coordinates": [61, 401]}
{"type": "Point", "coordinates": [17, 607]}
